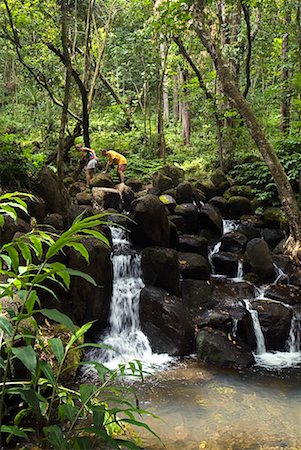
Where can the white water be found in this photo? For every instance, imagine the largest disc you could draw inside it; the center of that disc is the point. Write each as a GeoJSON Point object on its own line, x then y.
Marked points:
{"type": "Point", "coordinates": [277, 359]}
{"type": "Point", "coordinates": [124, 337]}
{"type": "Point", "coordinates": [230, 225]}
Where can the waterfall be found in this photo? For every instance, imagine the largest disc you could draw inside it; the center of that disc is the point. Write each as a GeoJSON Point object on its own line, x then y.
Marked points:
{"type": "Point", "coordinates": [280, 275]}
{"type": "Point", "coordinates": [212, 251]}
{"type": "Point", "coordinates": [257, 328]}
{"type": "Point", "coordinates": [124, 337]}
{"type": "Point", "coordinates": [230, 225]}
{"type": "Point", "coordinates": [293, 344]}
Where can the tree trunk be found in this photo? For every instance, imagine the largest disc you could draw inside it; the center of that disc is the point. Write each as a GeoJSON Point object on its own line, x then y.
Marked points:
{"type": "Point", "coordinates": [175, 101]}
{"type": "Point", "coordinates": [164, 84]}
{"type": "Point", "coordinates": [186, 115]}
{"type": "Point", "coordinates": [64, 115]}
{"type": "Point", "coordinates": [285, 100]}
{"type": "Point", "coordinates": [232, 92]}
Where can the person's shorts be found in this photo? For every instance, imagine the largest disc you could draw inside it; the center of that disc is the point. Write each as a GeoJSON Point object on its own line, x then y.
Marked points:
{"type": "Point", "coordinates": [91, 164]}
{"type": "Point", "coordinates": [121, 167]}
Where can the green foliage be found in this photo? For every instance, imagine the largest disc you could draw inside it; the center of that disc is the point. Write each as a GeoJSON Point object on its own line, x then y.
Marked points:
{"type": "Point", "coordinates": [44, 407]}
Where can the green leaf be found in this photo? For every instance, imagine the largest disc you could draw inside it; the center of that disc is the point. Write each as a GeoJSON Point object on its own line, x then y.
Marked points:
{"type": "Point", "coordinates": [14, 256]}
{"type": "Point", "coordinates": [98, 415]}
{"type": "Point", "coordinates": [59, 317]}
{"type": "Point", "coordinates": [9, 211]}
{"type": "Point", "coordinates": [58, 348]}
{"type": "Point", "coordinates": [36, 245]}
{"type": "Point", "coordinates": [31, 300]}
{"type": "Point", "coordinates": [80, 248]}
{"type": "Point", "coordinates": [47, 371]}
{"type": "Point", "coordinates": [27, 356]}
{"type": "Point", "coordinates": [56, 247]}
{"type": "Point", "coordinates": [82, 443]}
{"type": "Point", "coordinates": [86, 391]}
{"type": "Point", "coordinates": [6, 326]}
{"type": "Point", "coordinates": [14, 430]}
{"type": "Point", "coordinates": [2, 221]}
{"type": "Point", "coordinates": [24, 248]}
{"type": "Point", "coordinates": [31, 398]}
{"type": "Point", "coordinates": [78, 273]}
{"type": "Point", "coordinates": [67, 412]}
{"type": "Point", "coordinates": [55, 436]}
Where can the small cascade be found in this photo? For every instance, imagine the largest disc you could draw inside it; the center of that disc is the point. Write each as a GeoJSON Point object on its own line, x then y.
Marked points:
{"type": "Point", "coordinates": [211, 252]}
{"type": "Point", "coordinates": [124, 337]}
{"type": "Point", "coordinates": [260, 348]}
{"type": "Point", "coordinates": [280, 275]}
{"type": "Point", "coordinates": [230, 225]}
{"type": "Point", "coordinates": [234, 327]}
{"type": "Point", "coordinates": [293, 344]}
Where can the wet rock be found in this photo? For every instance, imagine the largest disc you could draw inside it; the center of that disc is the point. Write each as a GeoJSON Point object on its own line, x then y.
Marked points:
{"type": "Point", "coordinates": [160, 268]}
{"type": "Point", "coordinates": [74, 189]}
{"type": "Point", "coordinates": [194, 266]}
{"type": "Point", "coordinates": [85, 302]}
{"type": "Point", "coordinates": [231, 292]}
{"type": "Point", "coordinates": [290, 295]}
{"type": "Point", "coordinates": [211, 218]}
{"type": "Point", "coordinates": [233, 242]}
{"type": "Point", "coordinates": [249, 229]}
{"type": "Point", "coordinates": [275, 320]}
{"type": "Point", "coordinates": [127, 195]}
{"type": "Point", "coordinates": [184, 193]}
{"type": "Point", "coordinates": [173, 236]}
{"type": "Point", "coordinates": [220, 180]}
{"type": "Point", "coordinates": [258, 259]}
{"type": "Point", "coordinates": [105, 198]}
{"type": "Point", "coordinates": [166, 322]}
{"type": "Point", "coordinates": [191, 217]}
{"type": "Point", "coordinates": [197, 294]}
{"type": "Point", "coordinates": [214, 346]}
{"type": "Point", "coordinates": [207, 187]}
{"type": "Point", "coordinates": [102, 180]}
{"type": "Point", "coordinates": [225, 263]}
{"type": "Point", "coordinates": [239, 206]}
{"type": "Point", "coordinates": [36, 208]}
{"type": "Point", "coordinates": [193, 244]}
{"type": "Point", "coordinates": [150, 226]}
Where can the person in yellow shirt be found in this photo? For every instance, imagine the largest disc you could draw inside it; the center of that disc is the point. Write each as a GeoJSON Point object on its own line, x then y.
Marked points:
{"type": "Point", "coordinates": [115, 158]}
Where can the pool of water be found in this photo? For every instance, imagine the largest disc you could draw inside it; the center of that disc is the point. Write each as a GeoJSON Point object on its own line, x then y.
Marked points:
{"type": "Point", "coordinates": [203, 408]}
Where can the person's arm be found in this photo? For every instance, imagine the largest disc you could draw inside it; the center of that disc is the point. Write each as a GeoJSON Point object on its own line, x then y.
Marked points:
{"type": "Point", "coordinates": [87, 149]}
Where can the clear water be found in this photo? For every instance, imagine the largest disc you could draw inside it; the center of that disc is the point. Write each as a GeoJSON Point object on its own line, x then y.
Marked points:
{"type": "Point", "coordinates": [204, 408]}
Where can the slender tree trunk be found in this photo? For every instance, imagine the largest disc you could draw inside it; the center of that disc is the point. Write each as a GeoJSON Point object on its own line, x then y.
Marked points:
{"type": "Point", "coordinates": [164, 84]}
{"type": "Point", "coordinates": [64, 115]}
{"type": "Point", "coordinates": [285, 99]}
{"type": "Point", "coordinates": [186, 114]}
{"type": "Point", "coordinates": [231, 90]}
{"type": "Point", "coordinates": [175, 101]}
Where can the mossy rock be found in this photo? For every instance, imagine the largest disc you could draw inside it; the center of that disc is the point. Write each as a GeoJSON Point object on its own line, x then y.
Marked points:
{"type": "Point", "coordinates": [173, 172]}
{"type": "Point", "coordinates": [275, 218]}
{"type": "Point", "coordinates": [102, 180]}
{"type": "Point", "coordinates": [239, 191]}
{"type": "Point", "coordinates": [162, 182]}
{"type": "Point", "coordinates": [68, 181]}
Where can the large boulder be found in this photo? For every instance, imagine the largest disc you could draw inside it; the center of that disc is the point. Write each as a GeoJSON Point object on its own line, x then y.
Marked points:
{"type": "Point", "coordinates": [184, 193]}
{"type": "Point", "coordinates": [218, 348]}
{"type": "Point", "coordinates": [220, 203]}
{"type": "Point", "coordinates": [258, 259]}
{"type": "Point", "coordinates": [275, 320]}
{"type": "Point", "coordinates": [220, 180]}
{"type": "Point", "coordinates": [10, 228]}
{"type": "Point", "coordinates": [106, 198]}
{"type": "Point", "coordinates": [275, 218]}
{"type": "Point", "coordinates": [173, 172]}
{"type": "Point", "coordinates": [193, 266]}
{"type": "Point", "coordinates": [197, 295]}
{"type": "Point", "coordinates": [240, 191]}
{"type": "Point", "coordinates": [161, 182]}
{"type": "Point", "coordinates": [169, 202]}
{"type": "Point", "coordinates": [193, 244]}
{"type": "Point", "coordinates": [288, 294]}
{"type": "Point", "coordinates": [74, 211]}
{"type": "Point", "coordinates": [85, 302]}
{"type": "Point", "coordinates": [102, 180]}
{"type": "Point", "coordinates": [160, 268]}
{"type": "Point", "coordinates": [231, 292]}
{"type": "Point", "coordinates": [150, 226]}
{"type": "Point", "coordinates": [178, 222]}
{"type": "Point", "coordinates": [53, 192]}
{"type": "Point", "coordinates": [135, 184]}
{"type": "Point", "coordinates": [273, 236]}
{"type": "Point", "coordinates": [207, 187]}
{"type": "Point", "coordinates": [211, 218]}
{"type": "Point", "coordinates": [84, 198]}
{"type": "Point", "coordinates": [127, 195]}
{"type": "Point", "coordinates": [225, 263]}
{"type": "Point", "coordinates": [191, 217]}
{"type": "Point", "coordinates": [166, 322]}
{"type": "Point", "coordinates": [239, 206]}
{"type": "Point", "coordinates": [233, 242]}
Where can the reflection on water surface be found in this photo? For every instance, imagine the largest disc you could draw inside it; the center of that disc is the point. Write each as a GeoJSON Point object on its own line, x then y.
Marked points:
{"type": "Point", "coordinates": [203, 408]}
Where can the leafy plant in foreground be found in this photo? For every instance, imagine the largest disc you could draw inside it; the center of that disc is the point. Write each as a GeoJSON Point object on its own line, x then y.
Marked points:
{"type": "Point", "coordinates": [39, 401]}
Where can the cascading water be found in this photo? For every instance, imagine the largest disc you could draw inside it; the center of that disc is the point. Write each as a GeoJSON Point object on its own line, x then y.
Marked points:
{"type": "Point", "coordinates": [277, 359]}
{"type": "Point", "coordinates": [124, 337]}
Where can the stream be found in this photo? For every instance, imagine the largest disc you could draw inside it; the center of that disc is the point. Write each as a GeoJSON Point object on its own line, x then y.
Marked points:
{"type": "Point", "coordinates": [202, 407]}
